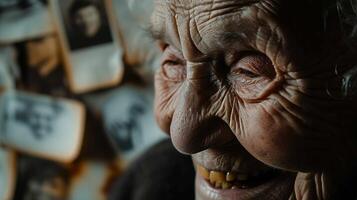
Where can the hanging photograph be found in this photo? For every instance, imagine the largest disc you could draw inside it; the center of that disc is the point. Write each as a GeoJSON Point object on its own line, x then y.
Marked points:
{"type": "Point", "coordinates": [34, 124]}
{"type": "Point", "coordinates": [91, 52]}
{"type": "Point", "coordinates": [86, 24]}
{"type": "Point", "coordinates": [128, 121]}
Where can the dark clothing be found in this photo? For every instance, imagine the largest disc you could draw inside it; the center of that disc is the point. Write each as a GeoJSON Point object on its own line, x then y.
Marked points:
{"type": "Point", "coordinates": [161, 173]}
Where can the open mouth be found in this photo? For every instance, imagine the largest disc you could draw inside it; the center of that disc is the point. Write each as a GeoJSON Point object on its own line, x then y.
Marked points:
{"type": "Point", "coordinates": [263, 185]}
{"type": "Point", "coordinates": [236, 180]}
{"type": "Point", "coordinates": [223, 175]}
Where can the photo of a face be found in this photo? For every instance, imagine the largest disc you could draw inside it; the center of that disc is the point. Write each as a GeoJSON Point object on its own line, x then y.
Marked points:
{"type": "Point", "coordinates": [88, 42]}
{"type": "Point", "coordinates": [127, 133]}
{"type": "Point", "coordinates": [41, 126]}
{"type": "Point", "coordinates": [127, 114]}
{"type": "Point", "coordinates": [87, 20]}
{"type": "Point", "coordinates": [85, 23]}
{"type": "Point", "coordinates": [38, 118]}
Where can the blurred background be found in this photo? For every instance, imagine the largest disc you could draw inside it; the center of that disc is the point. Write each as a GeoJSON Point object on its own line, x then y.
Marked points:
{"type": "Point", "coordinates": [76, 95]}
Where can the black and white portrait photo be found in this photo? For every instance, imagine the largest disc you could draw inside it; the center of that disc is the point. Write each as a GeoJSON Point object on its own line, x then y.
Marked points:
{"type": "Point", "coordinates": [92, 53]}
{"type": "Point", "coordinates": [38, 118]}
{"type": "Point", "coordinates": [86, 23]}
{"type": "Point", "coordinates": [127, 113]}
{"type": "Point", "coordinates": [40, 125]}
{"type": "Point", "coordinates": [127, 133]}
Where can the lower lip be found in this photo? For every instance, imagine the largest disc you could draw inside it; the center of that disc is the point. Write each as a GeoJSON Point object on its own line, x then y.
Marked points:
{"type": "Point", "coordinates": [279, 188]}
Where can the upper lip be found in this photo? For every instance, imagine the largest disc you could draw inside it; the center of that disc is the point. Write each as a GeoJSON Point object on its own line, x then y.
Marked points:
{"type": "Point", "coordinates": [232, 157]}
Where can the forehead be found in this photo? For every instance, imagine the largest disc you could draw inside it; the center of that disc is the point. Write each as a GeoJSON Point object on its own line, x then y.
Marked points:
{"type": "Point", "coordinates": [200, 9]}
{"type": "Point", "coordinates": [181, 5]}
{"type": "Point", "coordinates": [207, 26]}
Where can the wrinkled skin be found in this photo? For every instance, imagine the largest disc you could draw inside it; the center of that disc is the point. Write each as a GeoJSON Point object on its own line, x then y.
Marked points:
{"type": "Point", "coordinates": [254, 74]}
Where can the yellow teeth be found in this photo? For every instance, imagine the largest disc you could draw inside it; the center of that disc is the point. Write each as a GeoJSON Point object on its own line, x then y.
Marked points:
{"type": "Point", "coordinates": [231, 176]}
{"type": "Point", "coordinates": [222, 180]}
{"type": "Point", "coordinates": [216, 177]}
{"type": "Point", "coordinates": [226, 185]}
{"type": "Point", "coordinates": [203, 172]}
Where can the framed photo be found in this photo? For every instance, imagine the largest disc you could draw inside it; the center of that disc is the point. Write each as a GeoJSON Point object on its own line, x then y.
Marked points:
{"type": "Point", "coordinates": [91, 52]}
{"type": "Point", "coordinates": [42, 126]}
{"type": "Point", "coordinates": [128, 121]}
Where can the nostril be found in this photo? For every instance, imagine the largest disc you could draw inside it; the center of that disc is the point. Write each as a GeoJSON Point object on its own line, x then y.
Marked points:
{"type": "Point", "coordinates": [192, 135]}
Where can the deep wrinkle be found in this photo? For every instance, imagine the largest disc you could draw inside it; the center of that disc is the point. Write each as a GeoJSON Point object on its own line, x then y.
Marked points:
{"type": "Point", "coordinates": [273, 106]}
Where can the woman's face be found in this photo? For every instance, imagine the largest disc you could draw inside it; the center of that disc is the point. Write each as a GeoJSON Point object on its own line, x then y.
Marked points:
{"type": "Point", "coordinates": [242, 87]}
{"type": "Point", "coordinates": [87, 20]}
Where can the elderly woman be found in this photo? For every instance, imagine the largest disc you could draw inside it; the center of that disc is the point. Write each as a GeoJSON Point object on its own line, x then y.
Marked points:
{"type": "Point", "coordinates": [261, 93]}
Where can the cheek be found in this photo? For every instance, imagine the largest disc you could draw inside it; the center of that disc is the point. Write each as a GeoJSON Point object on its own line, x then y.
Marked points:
{"type": "Point", "coordinates": [166, 94]}
{"type": "Point", "coordinates": [266, 138]}
{"type": "Point", "coordinates": [274, 138]}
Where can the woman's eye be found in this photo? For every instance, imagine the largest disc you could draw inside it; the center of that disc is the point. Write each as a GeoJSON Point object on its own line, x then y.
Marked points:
{"type": "Point", "coordinates": [172, 65]}
{"type": "Point", "coordinates": [245, 72]}
{"type": "Point", "coordinates": [251, 75]}
{"type": "Point", "coordinates": [173, 70]}
{"type": "Point", "coordinates": [254, 66]}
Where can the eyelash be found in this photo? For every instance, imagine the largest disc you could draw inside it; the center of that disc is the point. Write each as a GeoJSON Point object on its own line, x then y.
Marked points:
{"type": "Point", "coordinates": [171, 62]}
{"type": "Point", "coordinates": [246, 73]}
{"type": "Point", "coordinates": [254, 65]}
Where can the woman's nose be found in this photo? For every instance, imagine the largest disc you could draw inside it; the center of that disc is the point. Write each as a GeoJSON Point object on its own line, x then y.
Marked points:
{"type": "Point", "coordinates": [195, 124]}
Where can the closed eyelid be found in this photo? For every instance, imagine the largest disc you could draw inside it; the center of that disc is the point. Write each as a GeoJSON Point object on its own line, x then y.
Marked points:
{"type": "Point", "coordinates": [173, 52]}
{"type": "Point", "coordinates": [256, 63]}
